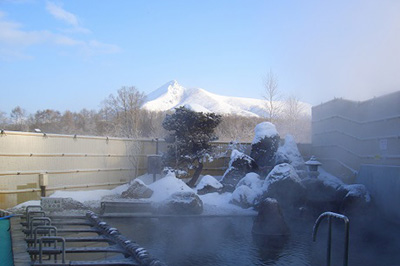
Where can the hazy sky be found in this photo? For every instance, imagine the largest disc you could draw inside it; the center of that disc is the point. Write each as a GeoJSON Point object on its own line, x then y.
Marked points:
{"type": "Point", "coordinates": [73, 54]}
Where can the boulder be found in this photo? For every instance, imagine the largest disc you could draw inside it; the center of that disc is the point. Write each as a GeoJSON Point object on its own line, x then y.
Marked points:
{"type": "Point", "coordinates": [270, 221]}
{"type": "Point", "coordinates": [137, 190]}
{"type": "Point", "coordinates": [356, 201]}
{"type": "Point", "coordinates": [264, 146]}
{"type": "Point", "coordinates": [323, 196]}
{"type": "Point", "coordinates": [284, 184]}
{"type": "Point", "coordinates": [239, 165]}
{"type": "Point", "coordinates": [289, 153]}
{"type": "Point", "coordinates": [182, 203]}
{"type": "Point", "coordinates": [248, 191]}
{"type": "Point", "coordinates": [244, 197]}
{"type": "Point", "coordinates": [208, 184]}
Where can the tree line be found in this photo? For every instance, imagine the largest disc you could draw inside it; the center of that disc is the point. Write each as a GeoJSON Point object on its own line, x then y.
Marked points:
{"type": "Point", "coordinates": [121, 115]}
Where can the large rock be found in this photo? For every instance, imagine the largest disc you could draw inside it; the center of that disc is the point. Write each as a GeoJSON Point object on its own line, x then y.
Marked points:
{"type": "Point", "coordinates": [356, 201]}
{"type": "Point", "coordinates": [239, 165]}
{"type": "Point", "coordinates": [137, 190]}
{"type": "Point", "coordinates": [182, 203]}
{"type": "Point", "coordinates": [289, 153]}
{"type": "Point", "coordinates": [284, 184]}
{"type": "Point", "coordinates": [248, 191]}
{"type": "Point", "coordinates": [270, 221]}
{"type": "Point", "coordinates": [264, 146]}
{"type": "Point", "coordinates": [322, 196]}
{"type": "Point", "coordinates": [208, 184]}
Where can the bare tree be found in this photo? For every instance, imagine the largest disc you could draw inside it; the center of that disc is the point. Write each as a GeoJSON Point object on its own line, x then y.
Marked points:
{"type": "Point", "coordinates": [19, 118]}
{"type": "Point", "coordinates": [123, 110]}
{"type": "Point", "coordinates": [294, 120]}
{"type": "Point", "coordinates": [293, 108]}
{"type": "Point", "coordinates": [272, 95]}
{"type": "Point", "coordinates": [3, 119]}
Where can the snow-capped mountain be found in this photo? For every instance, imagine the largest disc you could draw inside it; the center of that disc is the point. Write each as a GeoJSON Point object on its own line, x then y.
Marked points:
{"type": "Point", "coordinates": [172, 95]}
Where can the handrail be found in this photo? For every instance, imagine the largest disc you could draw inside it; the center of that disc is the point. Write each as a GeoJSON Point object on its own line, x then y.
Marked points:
{"type": "Point", "coordinates": [30, 214]}
{"type": "Point", "coordinates": [330, 215]}
{"type": "Point", "coordinates": [55, 239]}
{"type": "Point", "coordinates": [45, 219]}
{"type": "Point", "coordinates": [49, 229]}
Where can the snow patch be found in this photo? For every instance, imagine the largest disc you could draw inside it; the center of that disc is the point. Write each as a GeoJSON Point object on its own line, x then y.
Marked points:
{"type": "Point", "coordinates": [219, 204]}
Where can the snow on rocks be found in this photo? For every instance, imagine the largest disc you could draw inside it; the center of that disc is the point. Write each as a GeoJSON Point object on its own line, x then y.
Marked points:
{"type": "Point", "coordinates": [208, 184]}
{"type": "Point", "coordinates": [244, 196]}
{"type": "Point", "coordinates": [239, 165]}
{"type": "Point", "coordinates": [181, 203]}
{"type": "Point", "coordinates": [284, 184]}
{"type": "Point", "coordinates": [356, 200]}
{"type": "Point", "coordinates": [247, 191]}
{"type": "Point", "coordinates": [264, 146]}
{"type": "Point", "coordinates": [290, 152]}
{"type": "Point", "coordinates": [280, 172]}
{"type": "Point", "coordinates": [167, 186]}
{"type": "Point", "coordinates": [137, 190]}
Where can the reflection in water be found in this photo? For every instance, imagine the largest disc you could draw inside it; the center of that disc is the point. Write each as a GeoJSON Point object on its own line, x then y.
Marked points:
{"type": "Point", "coordinates": [270, 247]}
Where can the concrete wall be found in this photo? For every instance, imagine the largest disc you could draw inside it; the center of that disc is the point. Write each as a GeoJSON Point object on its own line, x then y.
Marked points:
{"type": "Point", "coordinates": [347, 134]}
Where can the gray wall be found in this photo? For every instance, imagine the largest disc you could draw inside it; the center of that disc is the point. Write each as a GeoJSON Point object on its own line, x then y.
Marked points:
{"type": "Point", "coordinates": [383, 182]}
{"type": "Point", "coordinates": [347, 134]}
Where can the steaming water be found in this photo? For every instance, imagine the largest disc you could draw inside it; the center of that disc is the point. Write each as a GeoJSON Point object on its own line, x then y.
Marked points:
{"type": "Point", "coordinates": [228, 241]}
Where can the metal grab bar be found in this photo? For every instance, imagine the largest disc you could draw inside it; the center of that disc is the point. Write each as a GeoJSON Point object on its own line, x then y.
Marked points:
{"type": "Point", "coordinates": [55, 239]}
{"type": "Point", "coordinates": [45, 220]}
{"type": "Point", "coordinates": [48, 228]}
{"type": "Point", "coordinates": [330, 215]}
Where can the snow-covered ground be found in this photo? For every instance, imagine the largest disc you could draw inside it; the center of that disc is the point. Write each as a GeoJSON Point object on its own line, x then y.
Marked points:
{"type": "Point", "coordinates": [213, 203]}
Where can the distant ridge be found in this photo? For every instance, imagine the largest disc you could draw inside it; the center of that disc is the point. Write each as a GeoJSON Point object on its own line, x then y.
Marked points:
{"type": "Point", "coordinates": [172, 95]}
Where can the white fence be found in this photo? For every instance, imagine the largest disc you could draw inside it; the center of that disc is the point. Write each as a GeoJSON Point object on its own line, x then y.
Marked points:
{"type": "Point", "coordinates": [75, 162]}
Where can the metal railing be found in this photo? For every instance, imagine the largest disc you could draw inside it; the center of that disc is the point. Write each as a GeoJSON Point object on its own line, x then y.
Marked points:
{"type": "Point", "coordinates": [329, 216]}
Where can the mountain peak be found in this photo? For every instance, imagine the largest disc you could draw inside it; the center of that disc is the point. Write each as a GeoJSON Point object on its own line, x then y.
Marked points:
{"type": "Point", "coordinates": [172, 95]}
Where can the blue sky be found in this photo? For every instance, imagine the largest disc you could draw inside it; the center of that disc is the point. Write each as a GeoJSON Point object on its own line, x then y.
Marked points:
{"type": "Point", "coordinates": [72, 54]}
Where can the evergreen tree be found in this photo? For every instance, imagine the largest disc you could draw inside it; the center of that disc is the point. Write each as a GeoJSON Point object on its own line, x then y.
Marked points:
{"type": "Point", "coordinates": [191, 133]}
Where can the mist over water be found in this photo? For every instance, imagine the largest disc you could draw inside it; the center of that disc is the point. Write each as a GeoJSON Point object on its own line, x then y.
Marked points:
{"type": "Point", "coordinates": [225, 241]}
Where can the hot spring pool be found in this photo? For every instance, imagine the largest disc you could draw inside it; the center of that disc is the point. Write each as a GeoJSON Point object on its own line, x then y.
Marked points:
{"type": "Point", "coordinates": [183, 241]}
